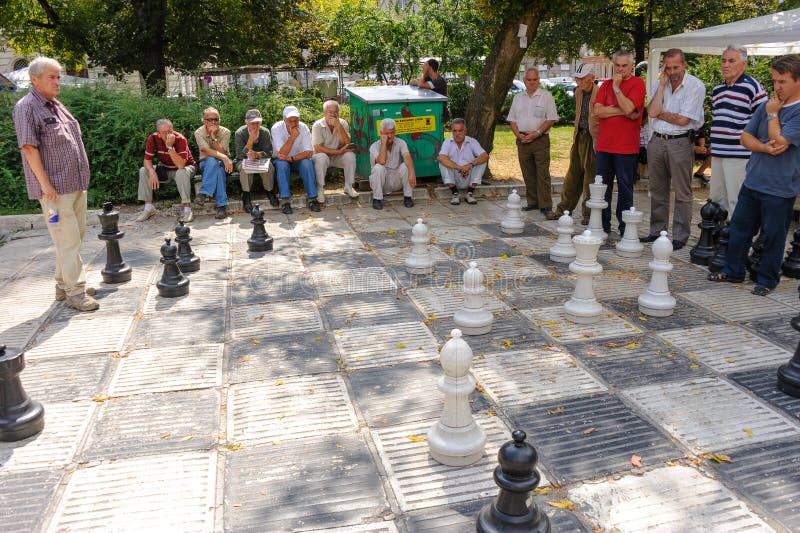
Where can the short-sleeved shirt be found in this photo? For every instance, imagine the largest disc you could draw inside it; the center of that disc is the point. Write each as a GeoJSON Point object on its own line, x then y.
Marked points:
{"type": "Point", "coordinates": [529, 112]}
{"type": "Point", "coordinates": [48, 126]}
{"type": "Point", "coordinates": [778, 175]}
{"type": "Point", "coordinates": [439, 85]}
{"type": "Point", "coordinates": [394, 157]}
{"type": "Point", "coordinates": [203, 139]}
{"type": "Point", "coordinates": [687, 101]}
{"type": "Point", "coordinates": [322, 134]}
{"type": "Point", "coordinates": [262, 144]}
{"type": "Point", "coordinates": [732, 107]}
{"type": "Point", "coordinates": [155, 147]}
{"type": "Point", "coordinates": [470, 149]}
{"type": "Point", "coordinates": [280, 135]}
{"type": "Point", "coordinates": [619, 134]}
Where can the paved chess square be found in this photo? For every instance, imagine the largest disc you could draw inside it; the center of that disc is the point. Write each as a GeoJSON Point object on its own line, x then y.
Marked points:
{"type": "Point", "coordinates": [554, 324]}
{"type": "Point", "coordinates": [25, 507]}
{"type": "Point", "coordinates": [279, 318]}
{"type": "Point", "coordinates": [446, 301]}
{"type": "Point", "coordinates": [281, 356]}
{"type": "Point", "coordinates": [50, 380]}
{"type": "Point", "coordinates": [353, 310]}
{"type": "Point", "coordinates": [384, 345]}
{"type": "Point", "coordinates": [205, 326]}
{"type": "Point", "coordinates": [738, 305]}
{"type": "Point", "coordinates": [353, 281]}
{"type": "Point", "coordinates": [763, 382]}
{"type": "Point", "coordinates": [685, 314]}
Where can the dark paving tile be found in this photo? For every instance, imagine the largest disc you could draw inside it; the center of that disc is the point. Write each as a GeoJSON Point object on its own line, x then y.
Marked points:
{"type": "Point", "coordinates": [445, 273]}
{"type": "Point", "coordinates": [558, 269]}
{"type": "Point", "coordinates": [186, 327]}
{"type": "Point", "coordinates": [541, 291]}
{"type": "Point", "coordinates": [778, 330]}
{"type": "Point", "coordinates": [26, 498]}
{"type": "Point", "coordinates": [272, 286]}
{"type": "Point", "coordinates": [466, 251]}
{"type": "Point", "coordinates": [509, 332]}
{"type": "Point", "coordinates": [282, 356]}
{"type": "Point", "coordinates": [351, 310]}
{"type": "Point", "coordinates": [386, 239]}
{"type": "Point", "coordinates": [763, 383]}
{"type": "Point", "coordinates": [685, 315]}
{"type": "Point", "coordinates": [340, 261]}
{"type": "Point", "coordinates": [50, 380]}
{"type": "Point", "coordinates": [530, 230]}
{"type": "Point", "coordinates": [685, 277]}
{"type": "Point", "coordinates": [119, 300]}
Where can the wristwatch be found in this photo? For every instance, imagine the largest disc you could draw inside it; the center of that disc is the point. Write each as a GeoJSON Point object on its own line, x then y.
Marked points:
{"type": "Point", "coordinates": [170, 148]}
{"type": "Point", "coordinates": [617, 91]}
{"type": "Point", "coordinates": [770, 116]}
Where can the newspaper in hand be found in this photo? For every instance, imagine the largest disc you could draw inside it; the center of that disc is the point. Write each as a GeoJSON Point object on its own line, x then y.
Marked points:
{"type": "Point", "coordinates": [255, 165]}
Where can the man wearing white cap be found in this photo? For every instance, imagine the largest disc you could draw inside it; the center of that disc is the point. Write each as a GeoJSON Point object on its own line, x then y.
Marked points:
{"type": "Point", "coordinates": [292, 150]}
{"type": "Point", "coordinates": [253, 142]}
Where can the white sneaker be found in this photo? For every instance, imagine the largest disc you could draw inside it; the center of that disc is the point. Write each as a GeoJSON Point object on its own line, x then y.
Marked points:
{"type": "Point", "coordinates": [352, 193]}
{"type": "Point", "coordinates": [187, 216]}
{"type": "Point", "coordinates": [455, 200]}
{"type": "Point", "coordinates": [320, 195]}
{"type": "Point", "coordinates": [471, 199]}
{"type": "Point", "coordinates": [145, 215]}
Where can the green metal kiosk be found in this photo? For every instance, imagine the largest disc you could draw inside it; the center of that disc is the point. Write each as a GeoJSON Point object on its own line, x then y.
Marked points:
{"type": "Point", "coordinates": [417, 113]}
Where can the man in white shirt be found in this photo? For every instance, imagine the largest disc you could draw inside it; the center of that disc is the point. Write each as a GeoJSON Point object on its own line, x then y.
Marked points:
{"type": "Point", "coordinates": [292, 150]}
{"type": "Point", "coordinates": [392, 167]}
{"type": "Point", "coordinates": [330, 137]}
{"type": "Point", "coordinates": [462, 162]}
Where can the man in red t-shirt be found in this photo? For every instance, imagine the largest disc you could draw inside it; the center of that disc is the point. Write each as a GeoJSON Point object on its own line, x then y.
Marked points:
{"type": "Point", "coordinates": [619, 105]}
{"type": "Point", "coordinates": [172, 151]}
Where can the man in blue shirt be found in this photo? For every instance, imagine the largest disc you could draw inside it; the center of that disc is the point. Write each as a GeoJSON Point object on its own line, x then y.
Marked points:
{"type": "Point", "coordinates": [772, 180]}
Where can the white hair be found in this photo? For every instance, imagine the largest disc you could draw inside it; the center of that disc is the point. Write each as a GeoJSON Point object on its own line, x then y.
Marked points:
{"type": "Point", "coordinates": [330, 103]}
{"type": "Point", "coordinates": [37, 66]}
{"type": "Point", "coordinates": [388, 124]}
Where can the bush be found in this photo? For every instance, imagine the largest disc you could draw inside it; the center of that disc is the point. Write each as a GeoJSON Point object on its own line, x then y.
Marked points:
{"type": "Point", "coordinates": [458, 95]}
{"type": "Point", "coordinates": [565, 104]}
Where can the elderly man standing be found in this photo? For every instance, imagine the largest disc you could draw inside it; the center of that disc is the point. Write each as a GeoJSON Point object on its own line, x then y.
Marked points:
{"type": "Point", "coordinates": [532, 114]}
{"type": "Point", "coordinates": [462, 162]}
{"type": "Point", "coordinates": [292, 150]}
{"type": "Point", "coordinates": [392, 166]}
{"type": "Point", "coordinates": [330, 137]}
{"type": "Point", "coordinates": [582, 163]}
{"type": "Point", "coordinates": [214, 142]}
{"type": "Point", "coordinates": [57, 174]}
{"type": "Point", "coordinates": [619, 107]}
{"type": "Point", "coordinates": [253, 143]}
{"type": "Point", "coordinates": [733, 103]}
{"type": "Point", "coordinates": [675, 111]}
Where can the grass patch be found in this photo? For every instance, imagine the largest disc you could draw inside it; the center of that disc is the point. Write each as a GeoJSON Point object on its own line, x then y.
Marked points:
{"type": "Point", "coordinates": [505, 165]}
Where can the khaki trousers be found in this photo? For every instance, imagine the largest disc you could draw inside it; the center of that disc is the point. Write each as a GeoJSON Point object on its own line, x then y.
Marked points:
{"type": "Point", "coordinates": [581, 172]}
{"type": "Point", "coordinates": [182, 177]}
{"type": "Point", "coordinates": [67, 237]}
{"type": "Point", "coordinates": [534, 160]}
{"type": "Point", "coordinates": [670, 162]}
{"type": "Point", "coordinates": [383, 180]}
{"type": "Point", "coordinates": [267, 179]}
{"type": "Point", "coordinates": [345, 161]}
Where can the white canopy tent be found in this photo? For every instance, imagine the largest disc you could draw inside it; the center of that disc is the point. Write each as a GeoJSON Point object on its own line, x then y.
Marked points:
{"type": "Point", "coordinates": [770, 35]}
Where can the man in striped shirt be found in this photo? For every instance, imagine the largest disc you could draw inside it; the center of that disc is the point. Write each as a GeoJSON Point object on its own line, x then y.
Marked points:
{"type": "Point", "coordinates": [733, 102]}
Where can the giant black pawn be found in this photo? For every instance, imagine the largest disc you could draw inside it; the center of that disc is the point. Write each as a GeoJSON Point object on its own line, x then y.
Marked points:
{"type": "Point", "coordinates": [173, 283]}
{"type": "Point", "coordinates": [703, 251]}
{"type": "Point", "coordinates": [517, 477]}
{"type": "Point", "coordinates": [20, 417]}
{"type": "Point", "coordinates": [791, 265]}
{"type": "Point", "coordinates": [789, 374]}
{"type": "Point", "coordinates": [720, 220]}
{"type": "Point", "coordinates": [259, 241]}
{"type": "Point", "coordinates": [754, 258]}
{"type": "Point", "coordinates": [717, 263]}
{"type": "Point", "coordinates": [187, 261]}
{"type": "Point", "coordinates": [115, 271]}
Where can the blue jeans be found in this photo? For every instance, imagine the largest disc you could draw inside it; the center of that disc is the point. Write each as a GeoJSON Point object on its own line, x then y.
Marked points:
{"type": "Point", "coordinates": [757, 210]}
{"type": "Point", "coordinates": [214, 180]}
{"type": "Point", "coordinates": [304, 167]}
{"type": "Point", "coordinates": [623, 166]}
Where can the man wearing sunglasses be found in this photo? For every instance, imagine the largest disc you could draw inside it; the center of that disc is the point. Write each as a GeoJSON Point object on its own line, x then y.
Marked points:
{"type": "Point", "coordinates": [214, 143]}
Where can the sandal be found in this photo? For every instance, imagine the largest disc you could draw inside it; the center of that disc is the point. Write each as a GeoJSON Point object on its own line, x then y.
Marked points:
{"type": "Point", "coordinates": [721, 276]}
{"type": "Point", "coordinates": [760, 290]}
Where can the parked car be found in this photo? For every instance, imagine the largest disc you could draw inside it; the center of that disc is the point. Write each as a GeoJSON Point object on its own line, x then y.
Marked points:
{"type": "Point", "coordinates": [517, 87]}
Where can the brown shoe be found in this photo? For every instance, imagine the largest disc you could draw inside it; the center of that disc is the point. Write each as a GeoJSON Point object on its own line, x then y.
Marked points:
{"type": "Point", "coordinates": [61, 295]}
{"type": "Point", "coordinates": [82, 302]}
{"type": "Point", "coordinates": [552, 215]}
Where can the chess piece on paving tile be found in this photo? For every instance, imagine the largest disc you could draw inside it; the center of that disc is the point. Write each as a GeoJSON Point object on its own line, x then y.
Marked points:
{"type": "Point", "coordinates": [791, 265]}
{"type": "Point", "coordinates": [173, 283]}
{"type": "Point", "coordinates": [563, 251]}
{"type": "Point", "coordinates": [187, 260]}
{"type": "Point", "coordinates": [717, 262]}
{"type": "Point", "coordinates": [703, 251]}
{"type": "Point", "coordinates": [115, 271]}
{"type": "Point", "coordinates": [597, 203]}
{"type": "Point", "coordinates": [656, 300]}
{"type": "Point", "coordinates": [20, 417]}
{"type": "Point", "coordinates": [512, 222]}
{"type": "Point", "coordinates": [516, 476]}
{"type": "Point", "coordinates": [789, 374]}
{"type": "Point", "coordinates": [420, 260]}
{"type": "Point", "coordinates": [583, 307]}
{"type": "Point", "coordinates": [456, 440]}
{"type": "Point", "coordinates": [259, 240]}
{"type": "Point", "coordinates": [474, 318]}
{"type": "Point", "coordinates": [629, 245]}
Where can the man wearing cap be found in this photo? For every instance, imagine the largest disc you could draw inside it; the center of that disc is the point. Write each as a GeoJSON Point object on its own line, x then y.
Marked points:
{"type": "Point", "coordinates": [253, 142]}
{"type": "Point", "coordinates": [330, 137]}
{"type": "Point", "coordinates": [214, 143]}
{"type": "Point", "coordinates": [619, 106]}
{"type": "Point", "coordinates": [462, 162]}
{"type": "Point", "coordinates": [292, 150]}
{"type": "Point", "coordinates": [582, 165]}
{"type": "Point", "coordinates": [392, 166]}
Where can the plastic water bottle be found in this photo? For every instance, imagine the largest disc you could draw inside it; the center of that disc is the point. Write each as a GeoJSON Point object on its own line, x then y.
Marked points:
{"type": "Point", "coordinates": [52, 215]}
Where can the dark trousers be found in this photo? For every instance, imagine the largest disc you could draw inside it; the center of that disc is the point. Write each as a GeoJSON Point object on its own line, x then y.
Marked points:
{"type": "Point", "coordinates": [534, 160]}
{"type": "Point", "coordinates": [623, 166]}
{"type": "Point", "coordinates": [580, 174]}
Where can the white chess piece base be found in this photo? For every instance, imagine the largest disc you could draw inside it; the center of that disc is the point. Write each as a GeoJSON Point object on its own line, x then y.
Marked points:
{"type": "Point", "coordinates": [456, 446]}
{"type": "Point", "coordinates": [473, 321]}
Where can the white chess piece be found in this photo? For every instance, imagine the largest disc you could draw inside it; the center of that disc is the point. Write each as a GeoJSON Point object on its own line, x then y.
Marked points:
{"type": "Point", "coordinates": [512, 222]}
{"type": "Point", "coordinates": [456, 440]}
{"type": "Point", "coordinates": [656, 300]}
{"type": "Point", "coordinates": [583, 307]}
{"type": "Point", "coordinates": [629, 245]}
{"type": "Point", "coordinates": [474, 318]}
{"type": "Point", "coordinates": [597, 203]}
{"type": "Point", "coordinates": [420, 260]}
{"type": "Point", "coordinates": [563, 251]}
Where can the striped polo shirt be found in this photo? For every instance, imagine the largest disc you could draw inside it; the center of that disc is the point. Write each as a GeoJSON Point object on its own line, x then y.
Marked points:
{"type": "Point", "coordinates": [731, 109]}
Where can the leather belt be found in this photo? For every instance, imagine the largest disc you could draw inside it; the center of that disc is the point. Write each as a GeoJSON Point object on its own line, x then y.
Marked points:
{"type": "Point", "coordinates": [665, 136]}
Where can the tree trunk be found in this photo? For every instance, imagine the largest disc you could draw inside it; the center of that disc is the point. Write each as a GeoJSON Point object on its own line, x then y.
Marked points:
{"type": "Point", "coordinates": [151, 17]}
{"type": "Point", "coordinates": [640, 38]}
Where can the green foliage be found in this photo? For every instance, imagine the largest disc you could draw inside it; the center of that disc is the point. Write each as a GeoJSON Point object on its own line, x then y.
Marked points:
{"type": "Point", "coordinates": [458, 95]}
{"type": "Point", "coordinates": [565, 104]}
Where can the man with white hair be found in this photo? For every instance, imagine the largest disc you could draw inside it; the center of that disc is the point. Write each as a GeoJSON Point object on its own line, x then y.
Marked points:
{"type": "Point", "coordinates": [462, 162]}
{"type": "Point", "coordinates": [57, 174]}
{"type": "Point", "coordinates": [292, 150]}
{"type": "Point", "coordinates": [392, 166]}
{"type": "Point", "coordinates": [330, 137]}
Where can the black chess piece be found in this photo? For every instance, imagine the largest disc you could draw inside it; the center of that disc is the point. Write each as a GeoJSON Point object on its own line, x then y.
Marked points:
{"type": "Point", "coordinates": [703, 251]}
{"type": "Point", "coordinates": [721, 250]}
{"type": "Point", "coordinates": [720, 220]}
{"type": "Point", "coordinates": [187, 260]}
{"type": "Point", "coordinates": [789, 374]}
{"type": "Point", "coordinates": [115, 271]}
{"type": "Point", "coordinates": [791, 265]}
{"type": "Point", "coordinates": [173, 283]}
{"type": "Point", "coordinates": [755, 257]}
{"type": "Point", "coordinates": [517, 477]}
{"type": "Point", "coordinates": [20, 417]}
{"type": "Point", "coordinates": [259, 241]}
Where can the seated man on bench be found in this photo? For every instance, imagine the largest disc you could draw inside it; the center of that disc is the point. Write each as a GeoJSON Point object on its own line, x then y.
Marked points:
{"type": "Point", "coordinates": [292, 150]}
{"type": "Point", "coordinates": [254, 146]}
{"type": "Point", "coordinates": [214, 142]}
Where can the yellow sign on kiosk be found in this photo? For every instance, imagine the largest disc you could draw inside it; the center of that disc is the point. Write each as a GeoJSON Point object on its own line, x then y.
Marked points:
{"type": "Point", "coordinates": [411, 124]}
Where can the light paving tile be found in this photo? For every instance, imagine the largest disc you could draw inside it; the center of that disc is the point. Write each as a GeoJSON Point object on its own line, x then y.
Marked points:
{"type": "Point", "coordinates": [671, 499]}
{"type": "Point", "coordinates": [444, 232]}
{"type": "Point", "coordinates": [734, 302]}
{"type": "Point", "coordinates": [615, 284]}
{"type": "Point", "coordinates": [386, 345]}
{"type": "Point", "coordinates": [786, 293]}
{"type": "Point", "coordinates": [396, 255]}
{"type": "Point", "coordinates": [102, 334]}
{"type": "Point", "coordinates": [168, 369]}
{"type": "Point", "coordinates": [379, 527]}
{"type": "Point", "coordinates": [276, 230]}
{"type": "Point", "coordinates": [178, 329]}
{"type": "Point", "coordinates": [331, 243]}
{"type": "Point", "coordinates": [611, 261]}
{"type": "Point", "coordinates": [372, 224]}
{"type": "Point", "coordinates": [446, 301]}
{"type": "Point", "coordinates": [710, 415]}
{"type": "Point", "coordinates": [210, 252]}
{"type": "Point", "coordinates": [555, 325]}
{"type": "Point", "coordinates": [353, 281]}
{"type": "Point", "coordinates": [726, 347]}
{"type": "Point", "coordinates": [141, 275]}
{"type": "Point", "coordinates": [266, 320]}
{"type": "Point", "coordinates": [203, 294]}
{"type": "Point", "coordinates": [26, 499]}
{"type": "Point", "coordinates": [173, 492]}
{"type": "Point", "coordinates": [532, 245]}
{"type": "Point", "coordinates": [50, 380]}
{"type": "Point", "coordinates": [514, 267]}
{"type": "Point", "coordinates": [285, 409]}
{"type": "Point", "coordinates": [537, 375]}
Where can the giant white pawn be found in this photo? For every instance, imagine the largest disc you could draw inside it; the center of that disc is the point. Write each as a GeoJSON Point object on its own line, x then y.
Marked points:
{"type": "Point", "coordinates": [656, 300]}
{"type": "Point", "coordinates": [474, 318]}
{"type": "Point", "coordinates": [563, 250]}
{"type": "Point", "coordinates": [629, 245]}
{"type": "Point", "coordinates": [420, 260]}
{"type": "Point", "coordinates": [597, 203]}
{"type": "Point", "coordinates": [512, 222]}
{"type": "Point", "coordinates": [456, 440]}
{"type": "Point", "coordinates": [583, 307]}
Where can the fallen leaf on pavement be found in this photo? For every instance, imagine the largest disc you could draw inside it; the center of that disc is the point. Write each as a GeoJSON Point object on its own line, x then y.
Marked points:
{"type": "Point", "coordinates": [563, 504]}
{"type": "Point", "coordinates": [414, 438]}
{"type": "Point", "coordinates": [636, 460]}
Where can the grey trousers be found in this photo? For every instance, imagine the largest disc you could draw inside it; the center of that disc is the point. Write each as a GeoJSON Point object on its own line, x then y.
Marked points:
{"type": "Point", "coordinates": [384, 180]}
{"type": "Point", "coordinates": [670, 163]}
